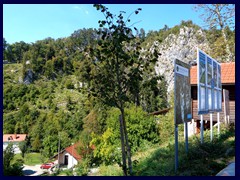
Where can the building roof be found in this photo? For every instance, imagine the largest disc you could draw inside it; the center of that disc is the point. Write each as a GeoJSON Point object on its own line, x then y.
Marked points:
{"type": "Point", "coordinates": [72, 150]}
{"type": "Point", "coordinates": [14, 137]}
{"type": "Point", "coordinates": [163, 111]}
{"type": "Point", "coordinates": [227, 73]}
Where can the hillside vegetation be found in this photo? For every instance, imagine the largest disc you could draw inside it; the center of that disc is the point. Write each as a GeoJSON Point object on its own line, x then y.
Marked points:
{"type": "Point", "coordinates": [205, 159]}
{"type": "Point", "coordinates": [74, 89]}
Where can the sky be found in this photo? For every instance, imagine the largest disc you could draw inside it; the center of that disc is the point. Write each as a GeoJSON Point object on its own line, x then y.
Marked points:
{"type": "Point", "coordinates": [32, 22]}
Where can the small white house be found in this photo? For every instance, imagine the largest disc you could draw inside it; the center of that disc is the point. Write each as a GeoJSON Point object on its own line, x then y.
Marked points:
{"type": "Point", "coordinates": [69, 156]}
{"type": "Point", "coordinates": [15, 139]}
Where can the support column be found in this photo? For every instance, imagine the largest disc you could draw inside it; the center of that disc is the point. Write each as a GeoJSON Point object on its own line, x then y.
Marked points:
{"type": "Point", "coordinates": [201, 116]}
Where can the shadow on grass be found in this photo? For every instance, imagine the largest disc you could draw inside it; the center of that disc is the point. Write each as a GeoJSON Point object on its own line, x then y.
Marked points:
{"type": "Point", "coordinates": [205, 159]}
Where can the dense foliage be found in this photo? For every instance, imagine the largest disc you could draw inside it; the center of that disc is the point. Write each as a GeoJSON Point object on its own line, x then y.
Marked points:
{"type": "Point", "coordinates": [49, 88]}
{"type": "Point", "coordinates": [141, 127]}
{"type": "Point", "coordinates": [11, 168]}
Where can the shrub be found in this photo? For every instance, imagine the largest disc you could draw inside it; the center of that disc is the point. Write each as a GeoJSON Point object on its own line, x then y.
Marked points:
{"type": "Point", "coordinates": [166, 126]}
{"type": "Point", "coordinates": [141, 128]}
{"type": "Point", "coordinates": [69, 84]}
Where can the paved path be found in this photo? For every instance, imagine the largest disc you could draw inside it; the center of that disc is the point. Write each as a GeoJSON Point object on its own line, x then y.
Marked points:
{"type": "Point", "coordinates": [228, 171]}
{"type": "Point", "coordinates": [32, 170]}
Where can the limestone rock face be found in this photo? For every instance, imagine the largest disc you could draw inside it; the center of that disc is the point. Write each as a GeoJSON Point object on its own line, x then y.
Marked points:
{"type": "Point", "coordinates": [28, 79]}
{"type": "Point", "coordinates": [183, 47]}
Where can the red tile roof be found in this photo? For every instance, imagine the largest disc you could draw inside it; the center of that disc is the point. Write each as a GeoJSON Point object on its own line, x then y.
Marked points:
{"type": "Point", "coordinates": [14, 137]}
{"type": "Point", "coordinates": [227, 73]}
{"type": "Point", "coordinates": [73, 151]}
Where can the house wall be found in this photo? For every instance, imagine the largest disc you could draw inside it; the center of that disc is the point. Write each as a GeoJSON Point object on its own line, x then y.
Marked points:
{"type": "Point", "coordinates": [61, 157]}
{"type": "Point", "coordinates": [71, 160]}
{"type": "Point", "coordinates": [231, 89]}
{"type": "Point", "coordinates": [15, 146]}
{"type": "Point", "coordinates": [206, 117]}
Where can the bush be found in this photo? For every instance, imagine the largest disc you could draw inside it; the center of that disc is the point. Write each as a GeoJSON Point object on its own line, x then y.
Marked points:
{"type": "Point", "coordinates": [141, 128]}
{"type": "Point", "coordinates": [110, 170]}
{"type": "Point", "coordinates": [82, 168]}
{"type": "Point", "coordinates": [166, 126]}
{"type": "Point", "coordinates": [69, 84]}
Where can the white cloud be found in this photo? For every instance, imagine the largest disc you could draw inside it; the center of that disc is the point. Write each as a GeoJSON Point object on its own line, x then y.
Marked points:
{"type": "Point", "coordinates": [82, 9]}
{"type": "Point", "coordinates": [77, 7]}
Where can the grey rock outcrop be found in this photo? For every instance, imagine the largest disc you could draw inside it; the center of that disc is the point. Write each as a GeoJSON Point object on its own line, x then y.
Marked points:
{"type": "Point", "coordinates": [183, 47]}
{"type": "Point", "coordinates": [28, 79]}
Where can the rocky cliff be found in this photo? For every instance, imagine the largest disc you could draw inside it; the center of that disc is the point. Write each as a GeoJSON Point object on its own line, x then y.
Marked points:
{"type": "Point", "coordinates": [182, 46]}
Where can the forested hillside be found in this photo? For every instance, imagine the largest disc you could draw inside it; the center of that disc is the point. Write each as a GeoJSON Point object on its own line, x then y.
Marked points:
{"type": "Point", "coordinates": [48, 85]}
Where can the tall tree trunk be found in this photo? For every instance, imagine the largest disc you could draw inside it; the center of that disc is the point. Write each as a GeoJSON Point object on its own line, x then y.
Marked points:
{"type": "Point", "coordinates": [124, 165]}
{"type": "Point", "coordinates": [127, 143]}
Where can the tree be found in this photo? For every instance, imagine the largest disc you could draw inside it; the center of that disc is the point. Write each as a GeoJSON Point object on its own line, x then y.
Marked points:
{"type": "Point", "coordinates": [142, 129]}
{"type": "Point", "coordinates": [86, 152]}
{"type": "Point", "coordinates": [221, 16]}
{"type": "Point", "coordinates": [50, 144]}
{"type": "Point", "coordinates": [9, 54]}
{"type": "Point", "coordinates": [82, 38]}
{"type": "Point", "coordinates": [116, 69]}
{"type": "Point", "coordinates": [165, 28]}
{"type": "Point", "coordinates": [49, 70]}
{"type": "Point", "coordinates": [8, 155]}
{"type": "Point", "coordinates": [142, 34]}
{"type": "Point", "coordinates": [9, 168]}
{"type": "Point", "coordinates": [36, 144]}
{"type": "Point", "coordinates": [4, 48]}
{"type": "Point", "coordinates": [18, 49]}
{"type": "Point", "coordinates": [23, 148]}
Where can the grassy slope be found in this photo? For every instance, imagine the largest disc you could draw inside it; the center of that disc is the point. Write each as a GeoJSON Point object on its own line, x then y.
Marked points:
{"type": "Point", "coordinates": [12, 71]}
{"type": "Point", "coordinates": [202, 160]}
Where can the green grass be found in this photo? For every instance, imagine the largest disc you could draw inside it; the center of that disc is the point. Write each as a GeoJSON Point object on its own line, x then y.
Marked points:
{"type": "Point", "coordinates": [66, 172]}
{"type": "Point", "coordinates": [205, 159]}
{"type": "Point", "coordinates": [12, 72]}
{"type": "Point", "coordinates": [31, 159]}
{"type": "Point", "coordinates": [113, 170]}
